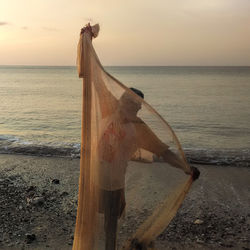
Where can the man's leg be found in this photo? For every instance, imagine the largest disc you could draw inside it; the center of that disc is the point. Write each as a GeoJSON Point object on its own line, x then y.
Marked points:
{"type": "Point", "coordinates": [110, 231]}
{"type": "Point", "coordinates": [114, 206]}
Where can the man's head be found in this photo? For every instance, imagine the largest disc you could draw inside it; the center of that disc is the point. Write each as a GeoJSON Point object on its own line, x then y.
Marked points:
{"type": "Point", "coordinates": [138, 92]}
{"type": "Point", "coordinates": [129, 104]}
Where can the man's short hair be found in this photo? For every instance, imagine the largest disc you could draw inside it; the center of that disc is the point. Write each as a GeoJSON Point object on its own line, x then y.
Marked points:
{"type": "Point", "coordinates": [138, 92]}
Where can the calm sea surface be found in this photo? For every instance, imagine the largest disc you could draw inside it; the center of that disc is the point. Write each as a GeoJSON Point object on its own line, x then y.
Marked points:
{"type": "Point", "coordinates": [208, 108]}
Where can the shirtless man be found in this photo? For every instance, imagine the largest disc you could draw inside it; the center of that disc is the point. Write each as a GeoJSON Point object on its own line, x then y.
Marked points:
{"type": "Point", "coordinates": [124, 133]}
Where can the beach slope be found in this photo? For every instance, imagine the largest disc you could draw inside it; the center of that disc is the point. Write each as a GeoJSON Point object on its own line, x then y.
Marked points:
{"type": "Point", "coordinates": [38, 199]}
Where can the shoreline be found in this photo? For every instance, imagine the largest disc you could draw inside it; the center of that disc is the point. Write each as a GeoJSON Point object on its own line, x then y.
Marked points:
{"type": "Point", "coordinates": [224, 157]}
{"type": "Point", "coordinates": [215, 214]}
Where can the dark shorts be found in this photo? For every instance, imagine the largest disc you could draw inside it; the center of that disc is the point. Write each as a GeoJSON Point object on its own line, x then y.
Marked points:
{"type": "Point", "coordinates": [112, 203]}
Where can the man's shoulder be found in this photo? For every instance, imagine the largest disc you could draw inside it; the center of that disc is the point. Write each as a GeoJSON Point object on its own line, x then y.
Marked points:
{"type": "Point", "coordinates": [138, 120]}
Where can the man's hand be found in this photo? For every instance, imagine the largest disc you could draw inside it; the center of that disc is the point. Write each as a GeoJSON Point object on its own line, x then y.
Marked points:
{"type": "Point", "coordinates": [195, 173]}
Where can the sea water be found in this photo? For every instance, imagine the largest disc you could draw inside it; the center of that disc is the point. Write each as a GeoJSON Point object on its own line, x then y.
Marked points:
{"type": "Point", "coordinates": [207, 107]}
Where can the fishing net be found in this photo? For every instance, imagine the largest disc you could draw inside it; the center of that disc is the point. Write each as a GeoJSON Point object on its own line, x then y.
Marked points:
{"type": "Point", "coordinates": [127, 150]}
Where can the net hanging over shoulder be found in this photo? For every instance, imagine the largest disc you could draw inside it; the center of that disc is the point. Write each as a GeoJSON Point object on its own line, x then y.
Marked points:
{"type": "Point", "coordinates": [127, 150]}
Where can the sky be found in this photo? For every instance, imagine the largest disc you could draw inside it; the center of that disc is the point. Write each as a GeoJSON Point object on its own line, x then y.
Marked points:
{"type": "Point", "coordinates": [133, 32]}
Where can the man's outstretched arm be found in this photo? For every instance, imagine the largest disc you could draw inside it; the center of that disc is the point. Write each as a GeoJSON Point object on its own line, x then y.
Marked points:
{"type": "Point", "coordinates": [174, 160]}
{"type": "Point", "coordinates": [149, 141]}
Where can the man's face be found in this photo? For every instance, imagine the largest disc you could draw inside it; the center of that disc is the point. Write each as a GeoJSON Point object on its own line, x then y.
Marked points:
{"type": "Point", "coordinates": [129, 105]}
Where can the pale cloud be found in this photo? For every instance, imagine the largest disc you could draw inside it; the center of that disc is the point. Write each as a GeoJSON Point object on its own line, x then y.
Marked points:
{"type": "Point", "coordinates": [4, 23]}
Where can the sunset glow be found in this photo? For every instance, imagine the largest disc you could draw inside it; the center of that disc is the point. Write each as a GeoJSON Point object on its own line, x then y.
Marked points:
{"type": "Point", "coordinates": [190, 32]}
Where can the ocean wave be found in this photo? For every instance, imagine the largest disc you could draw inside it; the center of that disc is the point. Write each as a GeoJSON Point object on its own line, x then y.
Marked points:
{"type": "Point", "coordinates": [14, 145]}
{"type": "Point", "coordinates": [239, 157]}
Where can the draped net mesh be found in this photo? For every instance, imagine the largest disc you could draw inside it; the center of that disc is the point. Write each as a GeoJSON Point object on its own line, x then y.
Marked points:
{"type": "Point", "coordinates": [133, 172]}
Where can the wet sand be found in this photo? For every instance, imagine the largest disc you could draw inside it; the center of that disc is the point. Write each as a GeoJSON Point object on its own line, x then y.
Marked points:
{"type": "Point", "coordinates": [215, 214]}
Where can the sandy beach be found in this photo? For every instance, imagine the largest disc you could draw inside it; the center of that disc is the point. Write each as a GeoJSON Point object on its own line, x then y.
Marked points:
{"type": "Point", "coordinates": [38, 201]}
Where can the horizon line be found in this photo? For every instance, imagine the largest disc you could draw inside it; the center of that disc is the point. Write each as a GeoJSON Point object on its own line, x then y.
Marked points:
{"type": "Point", "coordinates": [43, 65]}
